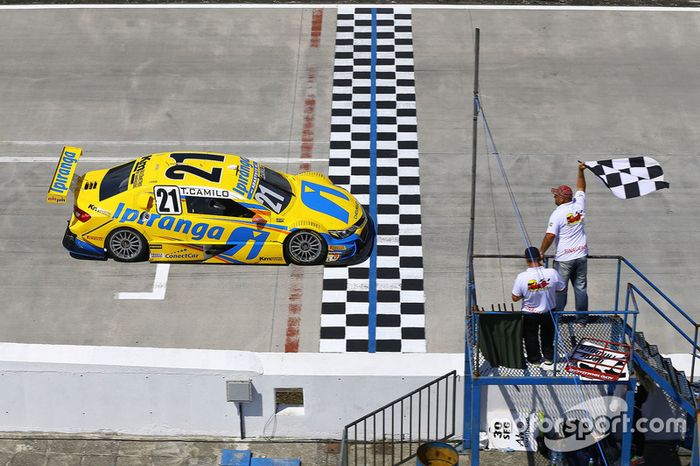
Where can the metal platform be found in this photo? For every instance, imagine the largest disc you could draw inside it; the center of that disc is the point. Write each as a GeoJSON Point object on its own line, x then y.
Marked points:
{"type": "Point", "coordinates": [619, 326]}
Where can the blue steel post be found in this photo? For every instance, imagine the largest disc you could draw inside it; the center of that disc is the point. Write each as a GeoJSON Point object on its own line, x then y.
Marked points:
{"type": "Point", "coordinates": [555, 315]}
{"type": "Point", "coordinates": [466, 429]}
{"type": "Point", "coordinates": [695, 455]}
{"type": "Point", "coordinates": [466, 426]}
{"type": "Point", "coordinates": [617, 284]}
{"type": "Point", "coordinates": [626, 455]}
{"type": "Point", "coordinates": [627, 308]}
{"type": "Point", "coordinates": [476, 421]}
{"type": "Point", "coordinates": [695, 354]}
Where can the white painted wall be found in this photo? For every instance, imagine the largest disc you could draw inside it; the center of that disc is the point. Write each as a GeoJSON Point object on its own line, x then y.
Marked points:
{"type": "Point", "coordinates": [181, 392]}
{"type": "Point", "coordinates": [178, 392]}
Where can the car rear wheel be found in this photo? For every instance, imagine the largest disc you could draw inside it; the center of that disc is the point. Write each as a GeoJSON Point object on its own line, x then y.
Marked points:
{"type": "Point", "coordinates": [305, 247]}
{"type": "Point", "coordinates": [126, 245]}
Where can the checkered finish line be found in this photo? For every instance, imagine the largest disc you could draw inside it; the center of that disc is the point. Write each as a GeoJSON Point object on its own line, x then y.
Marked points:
{"type": "Point", "coordinates": [377, 306]}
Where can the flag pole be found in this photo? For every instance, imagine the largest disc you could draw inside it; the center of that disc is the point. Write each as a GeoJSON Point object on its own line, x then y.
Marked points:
{"type": "Point", "coordinates": [471, 406]}
{"type": "Point", "coordinates": [470, 248]}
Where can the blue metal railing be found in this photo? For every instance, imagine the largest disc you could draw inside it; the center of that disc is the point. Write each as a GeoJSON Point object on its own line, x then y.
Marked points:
{"type": "Point", "coordinates": [616, 301]}
{"type": "Point", "coordinates": [647, 367]}
{"type": "Point", "coordinates": [473, 379]}
{"type": "Point", "coordinates": [632, 290]}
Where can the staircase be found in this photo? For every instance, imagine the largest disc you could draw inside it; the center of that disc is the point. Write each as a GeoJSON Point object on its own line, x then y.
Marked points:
{"type": "Point", "coordinates": [674, 382]}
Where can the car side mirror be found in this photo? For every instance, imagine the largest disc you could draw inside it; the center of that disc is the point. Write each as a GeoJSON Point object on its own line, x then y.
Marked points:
{"type": "Point", "coordinates": [259, 219]}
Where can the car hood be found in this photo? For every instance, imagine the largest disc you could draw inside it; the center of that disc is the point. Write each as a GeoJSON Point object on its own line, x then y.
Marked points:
{"type": "Point", "coordinates": [319, 200]}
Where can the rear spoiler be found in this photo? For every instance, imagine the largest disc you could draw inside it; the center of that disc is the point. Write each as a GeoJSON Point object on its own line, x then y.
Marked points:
{"type": "Point", "coordinates": [62, 177]}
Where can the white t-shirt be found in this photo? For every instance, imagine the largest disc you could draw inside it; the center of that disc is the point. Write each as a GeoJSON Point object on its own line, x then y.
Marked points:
{"type": "Point", "coordinates": [537, 286]}
{"type": "Point", "coordinates": [566, 223]}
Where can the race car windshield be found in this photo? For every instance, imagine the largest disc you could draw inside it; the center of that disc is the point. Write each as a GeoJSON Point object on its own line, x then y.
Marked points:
{"type": "Point", "coordinates": [275, 179]}
{"type": "Point", "coordinates": [116, 180]}
{"type": "Point", "coordinates": [273, 190]}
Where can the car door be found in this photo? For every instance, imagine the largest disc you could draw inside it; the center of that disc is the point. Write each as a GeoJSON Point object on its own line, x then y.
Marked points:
{"type": "Point", "coordinates": [225, 229]}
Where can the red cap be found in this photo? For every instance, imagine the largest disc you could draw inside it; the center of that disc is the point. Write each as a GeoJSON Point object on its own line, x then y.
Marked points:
{"type": "Point", "coordinates": [563, 191]}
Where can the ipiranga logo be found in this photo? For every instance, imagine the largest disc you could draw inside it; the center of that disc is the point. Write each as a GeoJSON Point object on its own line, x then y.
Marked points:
{"type": "Point", "coordinates": [65, 169]}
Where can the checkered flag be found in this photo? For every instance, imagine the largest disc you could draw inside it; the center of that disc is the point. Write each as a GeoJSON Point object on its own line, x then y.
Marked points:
{"type": "Point", "coordinates": [630, 177]}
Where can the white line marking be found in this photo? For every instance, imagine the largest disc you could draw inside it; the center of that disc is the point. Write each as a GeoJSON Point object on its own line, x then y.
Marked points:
{"type": "Point", "coordinates": [159, 285]}
{"type": "Point", "coordinates": [32, 159]}
{"type": "Point", "coordinates": [149, 143]}
{"type": "Point", "coordinates": [335, 6]}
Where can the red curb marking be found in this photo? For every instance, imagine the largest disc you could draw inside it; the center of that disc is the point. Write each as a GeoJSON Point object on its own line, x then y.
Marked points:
{"type": "Point", "coordinates": [296, 289]}
{"type": "Point", "coordinates": [316, 25]}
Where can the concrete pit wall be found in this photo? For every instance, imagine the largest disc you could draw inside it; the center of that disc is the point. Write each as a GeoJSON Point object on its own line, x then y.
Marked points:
{"type": "Point", "coordinates": [182, 393]}
{"type": "Point", "coordinates": [178, 392]}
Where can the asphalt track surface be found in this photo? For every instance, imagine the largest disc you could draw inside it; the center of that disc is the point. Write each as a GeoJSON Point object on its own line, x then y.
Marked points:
{"type": "Point", "coordinates": [558, 86]}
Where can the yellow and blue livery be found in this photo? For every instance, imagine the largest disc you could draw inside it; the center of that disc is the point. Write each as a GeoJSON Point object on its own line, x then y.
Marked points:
{"type": "Point", "coordinates": [211, 208]}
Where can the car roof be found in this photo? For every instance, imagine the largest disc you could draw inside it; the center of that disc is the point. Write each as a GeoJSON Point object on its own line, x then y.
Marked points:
{"type": "Point", "coordinates": [211, 169]}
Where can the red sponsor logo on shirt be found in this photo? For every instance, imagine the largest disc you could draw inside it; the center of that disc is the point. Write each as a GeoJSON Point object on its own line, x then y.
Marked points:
{"type": "Point", "coordinates": [576, 249]}
{"type": "Point", "coordinates": [534, 285]}
{"type": "Point", "coordinates": [572, 219]}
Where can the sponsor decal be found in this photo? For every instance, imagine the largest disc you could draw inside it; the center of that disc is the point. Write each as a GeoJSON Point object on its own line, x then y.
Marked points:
{"type": "Point", "coordinates": [240, 236]}
{"type": "Point", "coordinates": [535, 286]}
{"type": "Point", "coordinates": [156, 246]}
{"type": "Point", "coordinates": [100, 211]}
{"type": "Point", "coordinates": [332, 257]}
{"type": "Point", "coordinates": [94, 238]}
{"type": "Point", "coordinates": [198, 230]}
{"type": "Point", "coordinates": [64, 171]}
{"type": "Point", "coordinates": [137, 174]}
{"type": "Point", "coordinates": [336, 248]}
{"type": "Point", "coordinates": [63, 175]}
{"type": "Point", "coordinates": [268, 259]}
{"type": "Point", "coordinates": [205, 192]}
{"type": "Point", "coordinates": [248, 170]}
{"type": "Point", "coordinates": [182, 256]}
{"type": "Point", "coordinates": [573, 219]}
{"type": "Point", "coordinates": [157, 256]}
{"type": "Point", "coordinates": [319, 198]}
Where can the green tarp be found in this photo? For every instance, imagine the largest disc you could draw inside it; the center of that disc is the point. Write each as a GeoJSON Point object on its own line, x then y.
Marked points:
{"type": "Point", "coordinates": [501, 339]}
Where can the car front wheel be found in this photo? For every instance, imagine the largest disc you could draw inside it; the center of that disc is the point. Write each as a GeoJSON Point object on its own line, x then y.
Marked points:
{"type": "Point", "coordinates": [305, 247]}
{"type": "Point", "coordinates": [126, 245]}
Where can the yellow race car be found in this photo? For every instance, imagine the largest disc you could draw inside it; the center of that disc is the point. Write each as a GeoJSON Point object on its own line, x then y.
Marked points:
{"type": "Point", "coordinates": [211, 208]}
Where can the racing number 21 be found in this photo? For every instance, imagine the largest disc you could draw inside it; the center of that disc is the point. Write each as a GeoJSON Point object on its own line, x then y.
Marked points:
{"type": "Point", "coordinates": [264, 195]}
{"type": "Point", "coordinates": [177, 171]}
{"type": "Point", "coordinates": [168, 200]}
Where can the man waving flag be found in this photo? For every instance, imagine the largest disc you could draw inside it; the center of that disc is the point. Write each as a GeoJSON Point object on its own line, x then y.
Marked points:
{"type": "Point", "coordinates": [629, 177]}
